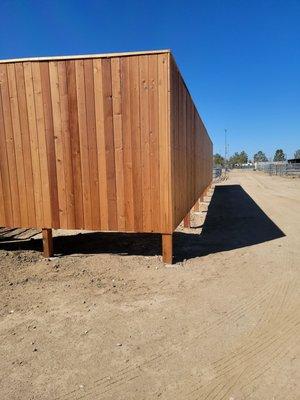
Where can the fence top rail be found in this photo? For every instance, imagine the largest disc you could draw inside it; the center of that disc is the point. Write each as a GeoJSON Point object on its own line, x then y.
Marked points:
{"type": "Point", "coordinates": [84, 56]}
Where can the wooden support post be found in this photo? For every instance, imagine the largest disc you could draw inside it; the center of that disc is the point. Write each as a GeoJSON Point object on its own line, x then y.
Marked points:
{"type": "Point", "coordinates": [187, 221]}
{"type": "Point", "coordinates": [47, 242]}
{"type": "Point", "coordinates": [167, 248]}
{"type": "Point", "coordinates": [203, 195]}
{"type": "Point", "coordinates": [197, 206]}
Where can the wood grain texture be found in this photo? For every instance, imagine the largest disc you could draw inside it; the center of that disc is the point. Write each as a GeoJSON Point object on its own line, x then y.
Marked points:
{"type": "Point", "coordinates": [74, 138]}
{"type": "Point", "coordinates": [26, 147]}
{"type": "Point", "coordinates": [145, 140]}
{"type": "Point", "coordinates": [110, 143]}
{"type": "Point", "coordinates": [154, 144]}
{"type": "Point", "coordinates": [126, 117]}
{"type": "Point", "coordinates": [118, 140]}
{"type": "Point", "coordinates": [42, 145]}
{"type": "Point", "coordinates": [167, 248]}
{"type": "Point", "coordinates": [47, 242]}
{"type": "Point", "coordinates": [7, 139]}
{"type": "Point", "coordinates": [192, 151]}
{"type": "Point", "coordinates": [34, 145]}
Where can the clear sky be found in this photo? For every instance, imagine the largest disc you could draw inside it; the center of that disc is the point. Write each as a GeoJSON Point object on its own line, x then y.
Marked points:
{"type": "Point", "coordinates": [239, 58]}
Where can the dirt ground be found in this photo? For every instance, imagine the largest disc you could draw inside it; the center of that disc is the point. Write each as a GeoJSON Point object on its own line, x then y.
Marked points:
{"type": "Point", "coordinates": [222, 323]}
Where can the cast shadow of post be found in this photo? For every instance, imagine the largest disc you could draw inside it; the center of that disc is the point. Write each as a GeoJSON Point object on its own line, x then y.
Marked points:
{"type": "Point", "coordinates": [233, 221]}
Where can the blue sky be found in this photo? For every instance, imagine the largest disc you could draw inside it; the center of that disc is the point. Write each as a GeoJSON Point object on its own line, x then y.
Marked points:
{"type": "Point", "coordinates": [240, 59]}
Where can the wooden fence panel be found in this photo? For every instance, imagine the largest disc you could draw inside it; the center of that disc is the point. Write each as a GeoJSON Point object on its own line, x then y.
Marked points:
{"type": "Point", "coordinates": [191, 149]}
{"type": "Point", "coordinates": [106, 143]}
{"type": "Point", "coordinates": [85, 143]}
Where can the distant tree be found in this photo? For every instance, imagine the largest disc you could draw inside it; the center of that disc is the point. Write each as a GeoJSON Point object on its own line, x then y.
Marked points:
{"type": "Point", "coordinates": [297, 154]}
{"type": "Point", "coordinates": [238, 158]}
{"type": "Point", "coordinates": [219, 160]}
{"type": "Point", "coordinates": [260, 157]}
{"type": "Point", "coordinates": [243, 157]}
{"type": "Point", "coordinates": [234, 159]}
{"type": "Point", "coordinates": [279, 155]}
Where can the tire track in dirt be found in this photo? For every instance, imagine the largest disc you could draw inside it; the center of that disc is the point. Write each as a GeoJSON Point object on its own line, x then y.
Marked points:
{"type": "Point", "coordinates": [259, 369]}
{"type": "Point", "coordinates": [259, 347]}
{"type": "Point", "coordinates": [267, 310]}
{"type": "Point", "coordinates": [261, 343]}
{"type": "Point", "coordinates": [255, 363]}
{"type": "Point", "coordinates": [265, 319]}
{"type": "Point", "coordinates": [125, 374]}
{"type": "Point", "coordinates": [250, 349]}
{"type": "Point", "coordinates": [280, 356]}
{"type": "Point", "coordinates": [220, 361]}
{"type": "Point", "coordinates": [279, 297]}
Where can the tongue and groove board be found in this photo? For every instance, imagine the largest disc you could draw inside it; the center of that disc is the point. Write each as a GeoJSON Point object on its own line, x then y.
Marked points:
{"type": "Point", "coordinates": [108, 142]}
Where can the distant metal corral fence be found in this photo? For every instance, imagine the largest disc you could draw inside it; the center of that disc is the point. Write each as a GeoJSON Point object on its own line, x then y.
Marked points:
{"type": "Point", "coordinates": [279, 168]}
{"type": "Point", "coordinates": [217, 172]}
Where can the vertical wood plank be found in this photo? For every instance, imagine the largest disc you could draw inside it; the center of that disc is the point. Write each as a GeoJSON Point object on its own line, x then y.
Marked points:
{"type": "Point", "coordinates": [92, 141]}
{"type": "Point", "coordinates": [181, 147]}
{"type": "Point", "coordinates": [18, 148]}
{"type": "Point", "coordinates": [194, 195]}
{"type": "Point", "coordinates": [155, 184]}
{"type": "Point", "coordinates": [59, 145]}
{"type": "Point", "coordinates": [34, 144]}
{"type": "Point", "coordinates": [118, 141]}
{"type": "Point", "coordinates": [176, 140]}
{"type": "Point", "coordinates": [4, 170]}
{"type": "Point", "coordinates": [136, 143]}
{"type": "Point", "coordinates": [164, 144]}
{"type": "Point", "coordinates": [75, 144]}
{"type": "Point", "coordinates": [101, 149]}
{"type": "Point", "coordinates": [189, 153]}
{"type": "Point", "coordinates": [109, 145]}
{"type": "Point", "coordinates": [26, 149]}
{"type": "Point", "coordinates": [50, 146]}
{"type": "Point", "coordinates": [174, 136]}
{"type": "Point", "coordinates": [126, 112]}
{"type": "Point", "coordinates": [67, 139]}
{"type": "Point", "coordinates": [145, 141]}
{"type": "Point", "coordinates": [184, 147]}
{"type": "Point", "coordinates": [42, 145]}
{"type": "Point", "coordinates": [84, 147]}
{"type": "Point", "coordinates": [2, 209]}
{"type": "Point", "coordinates": [10, 147]}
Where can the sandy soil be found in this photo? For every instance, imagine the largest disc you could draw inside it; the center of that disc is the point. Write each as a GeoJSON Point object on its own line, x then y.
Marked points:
{"type": "Point", "coordinates": [222, 323]}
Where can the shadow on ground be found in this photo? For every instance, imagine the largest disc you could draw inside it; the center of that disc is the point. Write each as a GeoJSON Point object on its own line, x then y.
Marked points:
{"type": "Point", "coordinates": [233, 221]}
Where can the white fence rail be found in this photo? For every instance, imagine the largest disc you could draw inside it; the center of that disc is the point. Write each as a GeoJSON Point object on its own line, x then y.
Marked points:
{"type": "Point", "coordinates": [279, 168]}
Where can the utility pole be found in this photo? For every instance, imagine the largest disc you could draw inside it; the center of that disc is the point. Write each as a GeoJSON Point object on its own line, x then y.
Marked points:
{"type": "Point", "coordinates": [225, 152]}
